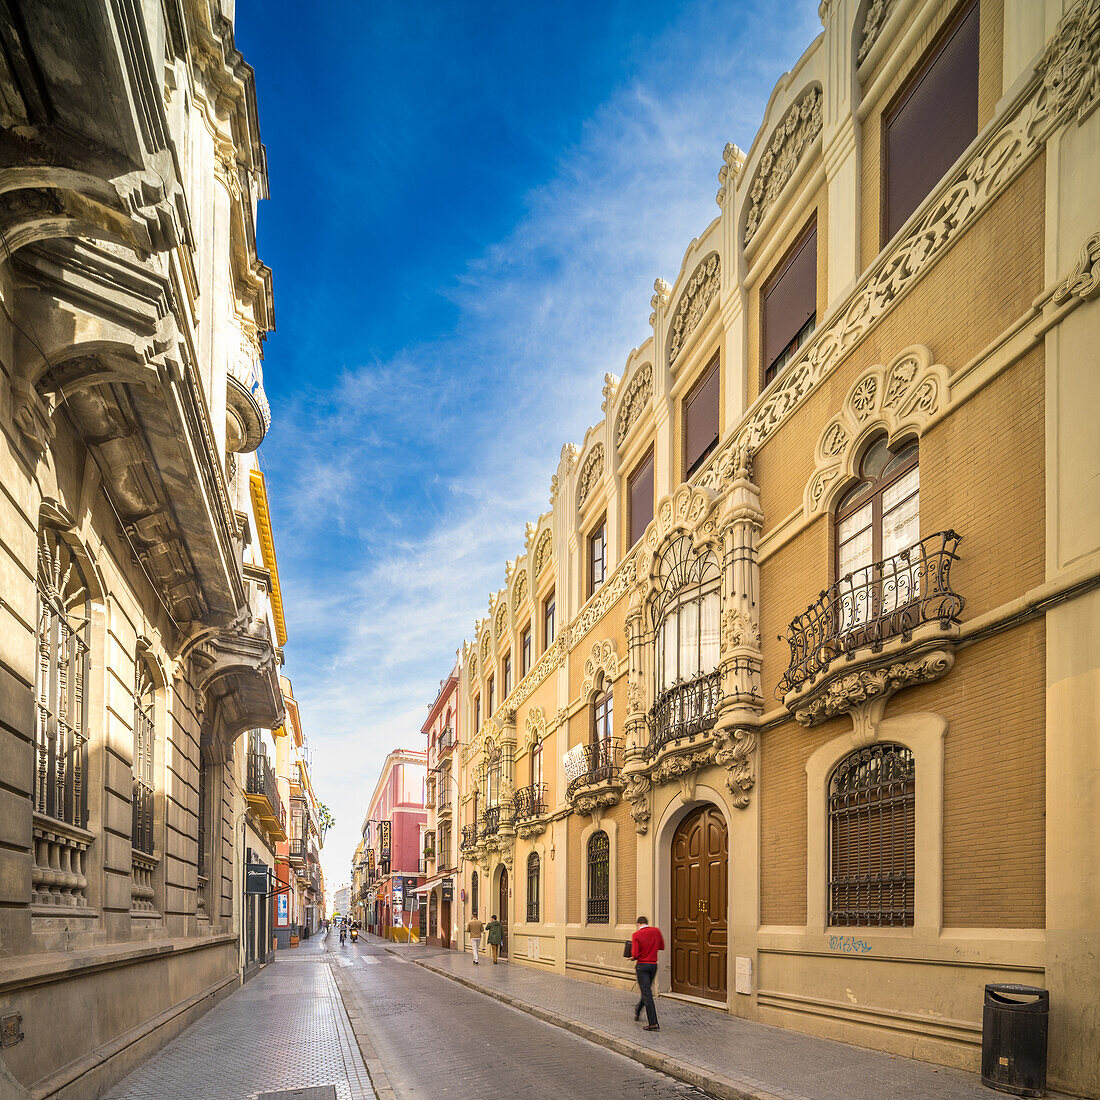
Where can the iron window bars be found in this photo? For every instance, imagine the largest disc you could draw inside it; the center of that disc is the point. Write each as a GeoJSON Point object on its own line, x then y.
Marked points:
{"type": "Point", "coordinates": [61, 744]}
{"type": "Point", "coordinates": [141, 830]}
{"type": "Point", "coordinates": [473, 894]}
{"type": "Point", "coordinates": [599, 878]}
{"type": "Point", "coordinates": [872, 802]}
{"type": "Point", "coordinates": [884, 600]}
{"type": "Point", "coordinates": [533, 869]}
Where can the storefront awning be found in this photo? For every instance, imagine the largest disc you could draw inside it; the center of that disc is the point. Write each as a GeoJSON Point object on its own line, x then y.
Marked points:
{"type": "Point", "coordinates": [428, 887]}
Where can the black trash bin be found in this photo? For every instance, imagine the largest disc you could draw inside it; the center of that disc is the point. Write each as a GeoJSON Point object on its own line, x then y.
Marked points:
{"type": "Point", "coordinates": [1014, 1039]}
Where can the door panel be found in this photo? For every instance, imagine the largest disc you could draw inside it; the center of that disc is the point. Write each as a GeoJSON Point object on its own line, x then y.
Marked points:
{"type": "Point", "coordinates": [502, 910]}
{"type": "Point", "coordinates": [700, 867]}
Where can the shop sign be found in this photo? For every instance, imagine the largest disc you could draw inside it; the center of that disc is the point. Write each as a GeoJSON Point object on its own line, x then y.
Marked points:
{"type": "Point", "coordinates": [370, 859]}
{"type": "Point", "coordinates": [448, 890]}
{"type": "Point", "coordinates": [283, 910]}
{"type": "Point", "coordinates": [255, 878]}
{"type": "Point", "coordinates": [385, 841]}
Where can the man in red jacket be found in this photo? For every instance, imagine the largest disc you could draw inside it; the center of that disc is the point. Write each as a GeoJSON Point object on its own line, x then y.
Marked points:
{"type": "Point", "coordinates": [644, 945]}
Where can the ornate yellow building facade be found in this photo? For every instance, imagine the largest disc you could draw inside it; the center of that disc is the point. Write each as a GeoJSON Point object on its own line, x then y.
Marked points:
{"type": "Point", "coordinates": [802, 661]}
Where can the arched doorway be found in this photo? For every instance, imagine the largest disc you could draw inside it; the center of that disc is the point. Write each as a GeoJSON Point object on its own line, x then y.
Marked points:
{"type": "Point", "coordinates": [700, 863]}
{"type": "Point", "coordinates": [502, 911]}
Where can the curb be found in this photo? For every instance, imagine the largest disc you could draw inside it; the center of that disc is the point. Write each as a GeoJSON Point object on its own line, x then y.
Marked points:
{"type": "Point", "coordinates": [722, 1088]}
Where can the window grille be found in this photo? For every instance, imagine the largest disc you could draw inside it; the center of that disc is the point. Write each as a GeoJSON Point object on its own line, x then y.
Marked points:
{"type": "Point", "coordinates": [533, 868]}
{"type": "Point", "coordinates": [872, 802]}
{"type": "Point", "coordinates": [473, 894]}
{"type": "Point", "coordinates": [599, 879]}
{"type": "Point", "coordinates": [202, 820]}
{"type": "Point", "coordinates": [141, 833]}
{"type": "Point", "coordinates": [61, 744]}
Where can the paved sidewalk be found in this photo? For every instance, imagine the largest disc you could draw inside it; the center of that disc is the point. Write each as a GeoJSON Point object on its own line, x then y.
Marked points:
{"type": "Point", "coordinates": [725, 1056]}
{"type": "Point", "coordinates": [285, 1029]}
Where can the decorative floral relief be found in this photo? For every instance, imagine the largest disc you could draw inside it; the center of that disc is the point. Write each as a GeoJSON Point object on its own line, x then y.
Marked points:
{"type": "Point", "coordinates": [544, 551]}
{"type": "Point", "coordinates": [636, 792]}
{"type": "Point", "coordinates": [590, 474]}
{"type": "Point", "coordinates": [1084, 281]}
{"type": "Point", "coordinates": [698, 294]}
{"type": "Point", "coordinates": [661, 291]}
{"type": "Point", "coordinates": [603, 661]}
{"type": "Point", "coordinates": [486, 649]}
{"type": "Point", "coordinates": [501, 618]}
{"type": "Point", "coordinates": [737, 756]}
{"type": "Point", "coordinates": [877, 11]}
{"type": "Point", "coordinates": [738, 631]}
{"type": "Point", "coordinates": [534, 726]}
{"type": "Point", "coordinates": [520, 590]}
{"type": "Point", "coordinates": [637, 397]}
{"type": "Point", "coordinates": [903, 396]}
{"type": "Point", "coordinates": [792, 137]}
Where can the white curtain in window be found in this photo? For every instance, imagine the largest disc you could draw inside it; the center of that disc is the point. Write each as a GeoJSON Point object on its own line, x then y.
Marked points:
{"type": "Point", "coordinates": [711, 632]}
{"type": "Point", "coordinates": [689, 639]}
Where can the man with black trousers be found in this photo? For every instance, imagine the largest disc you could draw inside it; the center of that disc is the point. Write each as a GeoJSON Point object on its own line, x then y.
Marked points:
{"type": "Point", "coordinates": [644, 945]}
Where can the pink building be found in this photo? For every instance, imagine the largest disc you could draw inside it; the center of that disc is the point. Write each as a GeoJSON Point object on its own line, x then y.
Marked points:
{"type": "Point", "coordinates": [394, 833]}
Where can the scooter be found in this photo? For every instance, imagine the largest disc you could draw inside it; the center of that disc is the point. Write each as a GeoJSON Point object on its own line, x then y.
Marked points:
{"type": "Point", "coordinates": [343, 936]}
{"type": "Point", "coordinates": [354, 934]}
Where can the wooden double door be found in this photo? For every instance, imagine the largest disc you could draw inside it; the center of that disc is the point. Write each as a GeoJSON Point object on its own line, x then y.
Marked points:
{"type": "Point", "coordinates": [502, 911]}
{"type": "Point", "coordinates": [700, 868]}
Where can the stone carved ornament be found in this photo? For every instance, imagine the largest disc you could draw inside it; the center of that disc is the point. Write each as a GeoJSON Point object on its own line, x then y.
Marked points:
{"type": "Point", "coordinates": [501, 618]}
{"type": "Point", "coordinates": [1084, 281]}
{"type": "Point", "coordinates": [1067, 80]}
{"type": "Point", "coordinates": [902, 396]}
{"type": "Point", "coordinates": [602, 661]}
{"type": "Point", "coordinates": [544, 551]}
{"type": "Point", "coordinates": [637, 398]}
{"type": "Point", "coordinates": [590, 474]}
{"type": "Point", "coordinates": [486, 649]}
{"type": "Point", "coordinates": [697, 295]}
{"type": "Point", "coordinates": [877, 11]}
{"type": "Point", "coordinates": [791, 138]}
{"type": "Point", "coordinates": [520, 590]}
{"type": "Point", "coordinates": [661, 292]}
{"type": "Point", "coordinates": [636, 792]}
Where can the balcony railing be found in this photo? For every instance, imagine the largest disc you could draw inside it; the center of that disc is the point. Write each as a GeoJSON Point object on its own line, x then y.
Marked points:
{"type": "Point", "coordinates": [597, 762]}
{"type": "Point", "coordinates": [684, 710]}
{"type": "Point", "coordinates": [530, 801]}
{"type": "Point", "coordinates": [469, 837]}
{"type": "Point", "coordinates": [297, 850]}
{"type": "Point", "coordinates": [888, 599]}
{"type": "Point", "coordinates": [446, 739]}
{"type": "Point", "coordinates": [263, 787]}
{"type": "Point", "coordinates": [443, 801]}
{"type": "Point", "coordinates": [491, 820]}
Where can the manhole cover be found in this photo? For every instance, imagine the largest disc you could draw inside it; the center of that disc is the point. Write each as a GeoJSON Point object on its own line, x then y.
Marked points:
{"type": "Point", "coordinates": [319, 1092]}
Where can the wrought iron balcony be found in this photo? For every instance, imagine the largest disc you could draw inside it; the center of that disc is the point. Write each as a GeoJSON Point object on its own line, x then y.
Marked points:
{"type": "Point", "coordinates": [530, 801]}
{"type": "Point", "coordinates": [443, 802]}
{"type": "Point", "coordinates": [297, 851]}
{"type": "Point", "coordinates": [262, 795]}
{"type": "Point", "coordinates": [469, 837]}
{"type": "Point", "coordinates": [446, 739]}
{"type": "Point", "coordinates": [684, 711]}
{"type": "Point", "coordinates": [597, 762]}
{"type": "Point", "coordinates": [869, 606]}
{"type": "Point", "coordinates": [491, 819]}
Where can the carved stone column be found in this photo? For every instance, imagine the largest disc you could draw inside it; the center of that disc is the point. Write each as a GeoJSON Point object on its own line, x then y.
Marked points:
{"type": "Point", "coordinates": [506, 832]}
{"type": "Point", "coordinates": [636, 738]}
{"type": "Point", "coordinates": [742, 700]}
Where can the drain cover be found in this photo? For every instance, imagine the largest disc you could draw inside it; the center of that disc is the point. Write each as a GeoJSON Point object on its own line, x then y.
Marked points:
{"type": "Point", "coordinates": [319, 1092]}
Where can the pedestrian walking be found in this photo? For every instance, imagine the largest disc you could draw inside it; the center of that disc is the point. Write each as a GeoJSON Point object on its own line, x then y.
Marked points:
{"type": "Point", "coordinates": [495, 931]}
{"type": "Point", "coordinates": [644, 945]}
{"type": "Point", "coordinates": [476, 930]}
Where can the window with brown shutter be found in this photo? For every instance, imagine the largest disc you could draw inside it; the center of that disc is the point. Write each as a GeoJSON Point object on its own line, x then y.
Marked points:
{"type": "Point", "coordinates": [700, 419]}
{"type": "Point", "coordinates": [789, 309]}
{"type": "Point", "coordinates": [640, 498]}
{"type": "Point", "coordinates": [872, 831]}
{"type": "Point", "coordinates": [597, 556]}
{"type": "Point", "coordinates": [933, 119]}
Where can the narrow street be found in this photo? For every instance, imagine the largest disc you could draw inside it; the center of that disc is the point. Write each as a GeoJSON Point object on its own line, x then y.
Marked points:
{"type": "Point", "coordinates": [288, 1030]}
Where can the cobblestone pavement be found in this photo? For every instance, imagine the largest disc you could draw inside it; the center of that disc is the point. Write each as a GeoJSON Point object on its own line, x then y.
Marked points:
{"type": "Point", "coordinates": [735, 1057]}
{"type": "Point", "coordinates": [285, 1029]}
{"type": "Point", "coordinates": [437, 1039]}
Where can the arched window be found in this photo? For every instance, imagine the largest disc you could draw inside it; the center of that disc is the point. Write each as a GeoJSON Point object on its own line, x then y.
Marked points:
{"type": "Point", "coordinates": [473, 894]}
{"type": "Point", "coordinates": [872, 799]}
{"type": "Point", "coordinates": [686, 618]}
{"type": "Point", "coordinates": [61, 743]}
{"type": "Point", "coordinates": [141, 833]}
{"type": "Point", "coordinates": [536, 767]}
{"type": "Point", "coordinates": [533, 868]}
{"type": "Point", "coordinates": [875, 521]}
{"type": "Point", "coordinates": [599, 878]}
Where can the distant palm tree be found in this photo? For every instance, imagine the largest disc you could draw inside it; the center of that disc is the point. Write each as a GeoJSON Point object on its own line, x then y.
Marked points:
{"type": "Point", "coordinates": [327, 820]}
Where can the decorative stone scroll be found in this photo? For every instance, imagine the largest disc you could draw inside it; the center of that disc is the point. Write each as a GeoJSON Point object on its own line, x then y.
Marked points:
{"type": "Point", "coordinates": [637, 397]}
{"type": "Point", "coordinates": [698, 294]}
{"type": "Point", "coordinates": [501, 618]}
{"type": "Point", "coordinates": [897, 398]}
{"type": "Point", "coordinates": [486, 649]}
{"type": "Point", "coordinates": [791, 138]}
{"type": "Point", "coordinates": [590, 474]}
{"type": "Point", "coordinates": [1084, 281]}
{"type": "Point", "coordinates": [520, 589]}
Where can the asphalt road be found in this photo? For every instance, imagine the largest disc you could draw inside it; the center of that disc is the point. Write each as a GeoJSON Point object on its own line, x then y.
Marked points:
{"type": "Point", "coordinates": [436, 1038]}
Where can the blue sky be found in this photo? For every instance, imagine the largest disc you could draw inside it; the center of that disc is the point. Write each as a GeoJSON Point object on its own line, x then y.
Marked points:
{"type": "Point", "coordinates": [469, 205]}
